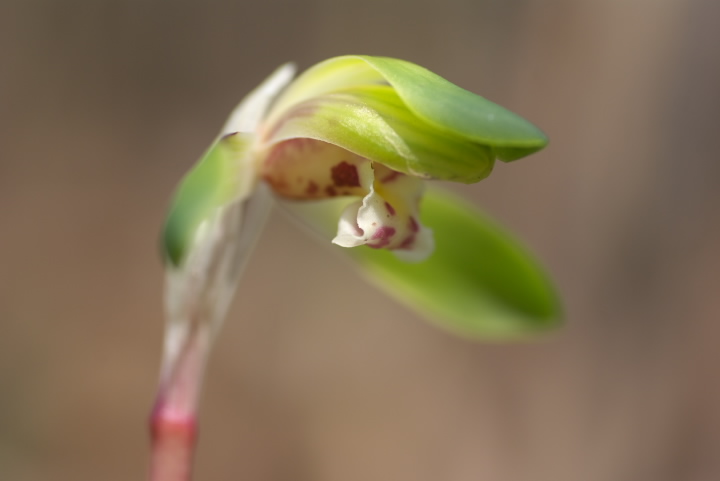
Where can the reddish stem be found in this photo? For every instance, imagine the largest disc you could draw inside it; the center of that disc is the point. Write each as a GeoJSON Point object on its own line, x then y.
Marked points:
{"type": "Point", "coordinates": [173, 445]}
{"type": "Point", "coordinates": [173, 422]}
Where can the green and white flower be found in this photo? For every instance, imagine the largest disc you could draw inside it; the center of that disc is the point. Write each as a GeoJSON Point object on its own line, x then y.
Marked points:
{"type": "Point", "coordinates": [354, 140]}
{"type": "Point", "coordinates": [348, 147]}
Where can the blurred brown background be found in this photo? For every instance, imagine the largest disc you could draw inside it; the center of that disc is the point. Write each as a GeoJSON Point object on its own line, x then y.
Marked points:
{"type": "Point", "coordinates": [317, 376]}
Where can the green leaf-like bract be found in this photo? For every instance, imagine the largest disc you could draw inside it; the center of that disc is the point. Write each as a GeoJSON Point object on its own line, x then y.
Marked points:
{"type": "Point", "coordinates": [213, 182]}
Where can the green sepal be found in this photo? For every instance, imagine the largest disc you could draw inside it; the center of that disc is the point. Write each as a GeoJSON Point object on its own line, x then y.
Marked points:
{"type": "Point", "coordinates": [478, 283]}
{"type": "Point", "coordinates": [458, 111]}
{"type": "Point", "coordinates": [216, 180]}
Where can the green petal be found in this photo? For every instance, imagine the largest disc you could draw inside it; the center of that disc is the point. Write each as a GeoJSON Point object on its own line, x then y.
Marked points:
{"type": "Point", "coordinates": [478, 283]}
{"type": "Point", "coordinates": [441, 104]}
{"type": "Point", "coordinates": [217, 179]}
{"type": "Point", "coordinates": [373, 122]}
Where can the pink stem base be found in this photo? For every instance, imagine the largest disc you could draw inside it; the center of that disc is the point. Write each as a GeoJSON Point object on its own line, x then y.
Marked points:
{"type": "Point", "coordinates": [173, 422]}
{"type": "Point", "coordinates": [173, 445]}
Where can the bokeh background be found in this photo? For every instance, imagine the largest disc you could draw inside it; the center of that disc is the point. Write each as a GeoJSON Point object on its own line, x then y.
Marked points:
{"type": "Point", "coordinates": [318, 376]}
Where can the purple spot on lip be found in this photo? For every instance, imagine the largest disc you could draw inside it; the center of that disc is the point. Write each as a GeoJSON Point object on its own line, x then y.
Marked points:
{"type": "Point", "coordinates": [330, 190]}
{"type": "Point", "coordinates": [382, 236]}
{"type": "Point", "coordinates": [408, 242]}
{"type": "Point", "coordinates": [345, 175]}
{"type": "Point", "coordinates": [414, 227]}
{"type": "Point", "coordinates": [390, 208]}
{"type": "Point", "coordinates": [384, 232]}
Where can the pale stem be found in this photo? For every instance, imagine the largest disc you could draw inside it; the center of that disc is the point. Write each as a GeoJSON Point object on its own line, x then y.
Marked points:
{"type": "Point", "coordinates": [197, 296]}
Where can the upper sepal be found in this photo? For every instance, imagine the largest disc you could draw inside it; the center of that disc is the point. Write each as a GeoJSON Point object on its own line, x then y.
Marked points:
{"type": "Point", "coordinates": [402, 115]}
{"type": "Point", "coordinates": [373, 122]}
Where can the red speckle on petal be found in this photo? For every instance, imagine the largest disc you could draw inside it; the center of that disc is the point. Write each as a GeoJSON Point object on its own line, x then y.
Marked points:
{"type": "Point", "coordinates": [390, 208]}
{"type": "Point", "coordinates": [414, 226]}
{"type": "Point", "coordinates": [312, 188]}
{"type": "Point", "coordinates": [330, 191]}
{"type": "Point", "coordinates": [408, 242]}
{"type": "Point", "coordinates": [345, 175]}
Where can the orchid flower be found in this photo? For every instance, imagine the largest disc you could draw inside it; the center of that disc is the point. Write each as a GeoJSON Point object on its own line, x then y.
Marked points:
{"type": "Point", "coordinates": [348, 146]}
